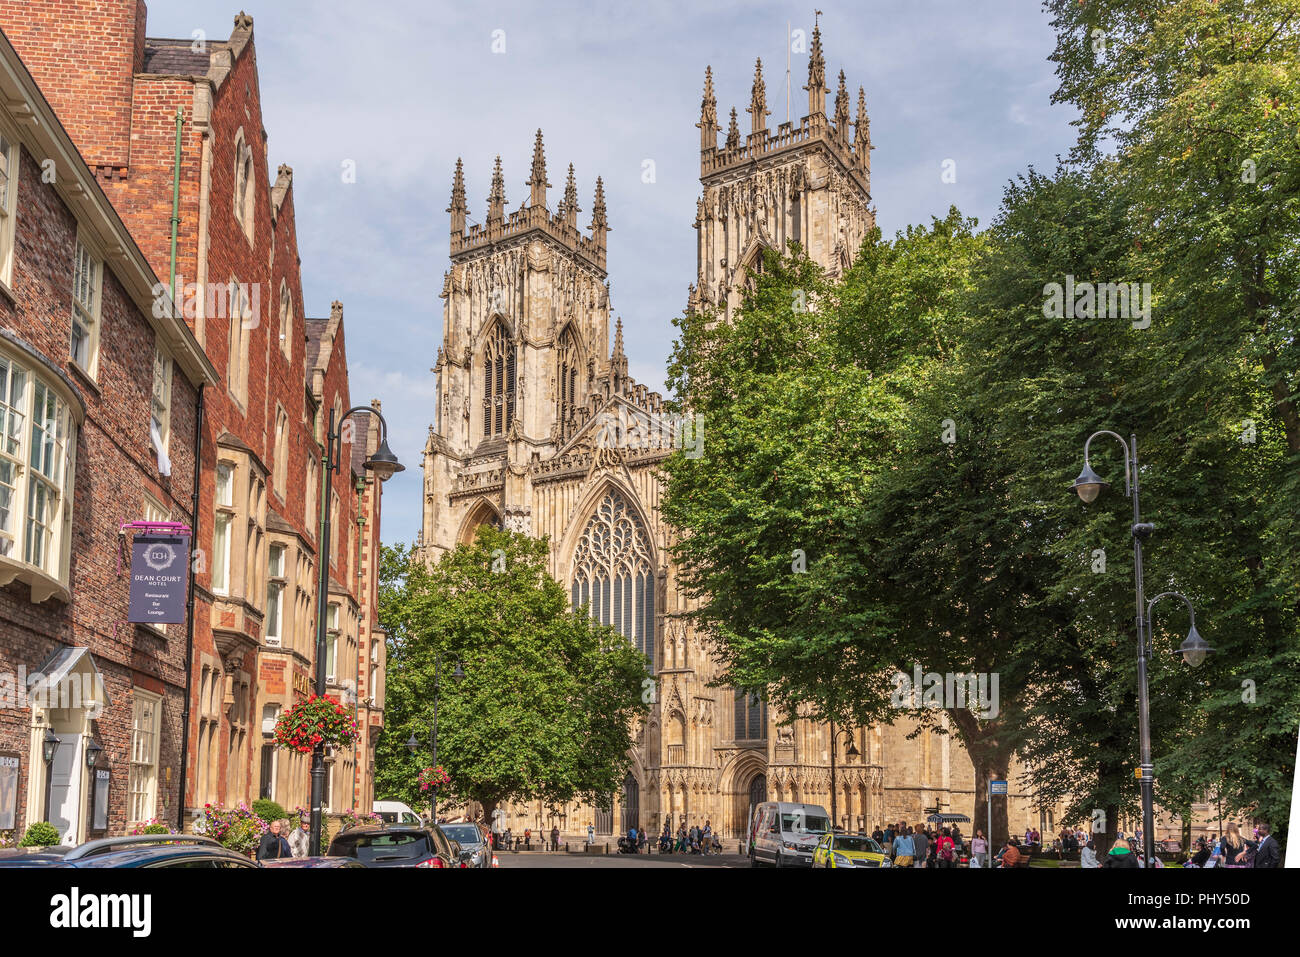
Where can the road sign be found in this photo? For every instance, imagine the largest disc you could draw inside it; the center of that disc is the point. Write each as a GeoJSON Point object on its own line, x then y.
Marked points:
{"type": "Point", "coordinates": [997, 787]}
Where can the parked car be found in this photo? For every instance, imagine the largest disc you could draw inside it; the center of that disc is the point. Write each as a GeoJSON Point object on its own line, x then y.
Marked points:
{"type": "Point", "coordinates": [784, 834]}
{"type": "Point", "coordinates": [314, 862]}
{"type": "Point", "coordinates": [395, 812]}
{"type": "Point", "coordinates": [475, 848]}
{"type": "Point", "coordinates": [396, 845]}
{"type": "Point", "coordinates": [137, 850]}
{"type": "Point", "coordinates": [836, 850]}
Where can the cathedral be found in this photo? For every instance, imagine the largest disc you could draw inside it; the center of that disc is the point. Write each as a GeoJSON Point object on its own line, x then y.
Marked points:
{"type": "Point", "coordinates": [530, 390]}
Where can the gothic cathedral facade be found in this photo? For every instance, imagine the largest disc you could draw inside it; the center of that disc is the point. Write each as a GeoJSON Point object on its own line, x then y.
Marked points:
{"type": "Point", "coordinates": [528, 382]}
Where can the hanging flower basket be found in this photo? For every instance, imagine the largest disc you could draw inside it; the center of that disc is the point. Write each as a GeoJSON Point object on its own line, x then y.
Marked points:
{"type": "Point", "coordinates": [433, 778]}
{"type": "Point", "coordinates": [318, 720]}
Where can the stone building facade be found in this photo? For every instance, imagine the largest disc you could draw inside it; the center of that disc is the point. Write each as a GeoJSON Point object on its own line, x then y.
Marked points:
{"type": "Point", "coordinates": [540, 429]}
{"type": "Point", "coordinates": [99, 406]}
{"type": "Point", "coordinates": [121, 94]}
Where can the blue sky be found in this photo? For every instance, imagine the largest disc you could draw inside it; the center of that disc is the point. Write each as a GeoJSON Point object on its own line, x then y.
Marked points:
{"type": "Point", "coordinates": [404, 87]}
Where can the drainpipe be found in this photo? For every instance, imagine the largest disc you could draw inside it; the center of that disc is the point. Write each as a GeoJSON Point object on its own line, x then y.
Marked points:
{"type": "Point", "coordinates": [194, 499]}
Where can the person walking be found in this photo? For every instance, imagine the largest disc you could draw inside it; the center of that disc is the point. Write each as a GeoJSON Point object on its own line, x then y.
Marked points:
{"type": "Point", "coordinates": [300, 839]}
{"type": "Point", "coordinates": [1267, 852]}
{"type": "Point", "coordinates": [591, 833]}
{"type": "Point", "coordinates": [920, 848]}
{"type": "Point", "coordinates": [681, 838]}
{"type": "Point", "coordinates": [904, 848]}
{"type": "Point", "coordinates": [979, 847]}
{"type": "Point", "coordinates": [631, 839]}
{"type": "Point", "coordinates": [273, 845]}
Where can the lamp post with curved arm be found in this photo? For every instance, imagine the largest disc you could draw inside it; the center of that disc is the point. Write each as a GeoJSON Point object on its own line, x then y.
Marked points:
{"type": "Point", "coordinates": [1088, 485]}
{"type": "Point", "coordinates": [852, 752]}
{"type": "Point", "coordinates": [383, 463]}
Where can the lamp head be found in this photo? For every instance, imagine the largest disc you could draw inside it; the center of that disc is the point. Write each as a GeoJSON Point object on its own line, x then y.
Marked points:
{"type": "Point", "coordinates": [412, 744]}
{"type": "Point", "coordinates": [1089, 484]}
{"type": "Point", "coordinates": [92, 753]}
{"type": "Point", "coordinates": [48, 745]}
{"type": "Point", "coordinates": [458, 673]}
{"type": "Point", "coordinates": [1194, 648]}
{"type": "Point", "coordinates": [384, 463]}
{"type": "Point", "coordinates": [852, 752]}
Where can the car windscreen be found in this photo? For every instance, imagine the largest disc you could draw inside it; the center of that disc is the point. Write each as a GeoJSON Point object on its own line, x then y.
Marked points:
{"type": "Point", "coordinates": [804, 824]}
{"type": "Point", "coordinates": [380, 847]}
{"type": "Point", "coordinates": [463, 834]}
{"type": "Point", "coordinates": [857, 844]}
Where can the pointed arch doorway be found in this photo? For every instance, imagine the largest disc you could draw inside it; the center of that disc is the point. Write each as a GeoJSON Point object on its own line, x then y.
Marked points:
{"type": "Point", "coordinates": [631, 803]}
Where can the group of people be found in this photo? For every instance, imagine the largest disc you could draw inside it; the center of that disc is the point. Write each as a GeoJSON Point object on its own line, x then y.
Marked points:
{"type": "Point", "coordinates": [282, 840]}
{"type": "Point", "coordinates": [507, 840]}
{"type": "Point", "coordinates": [925, 845]}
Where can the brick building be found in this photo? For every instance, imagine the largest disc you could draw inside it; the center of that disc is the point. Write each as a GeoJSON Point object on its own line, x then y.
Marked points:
{"type": "Point", "coordinates": [99, 404]}
{"type": "Point", "coordinates": [119, 93]}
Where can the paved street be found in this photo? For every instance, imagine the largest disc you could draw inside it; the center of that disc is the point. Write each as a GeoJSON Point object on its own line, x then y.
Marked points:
{"type": "Point", "coordinates": [522, 859]}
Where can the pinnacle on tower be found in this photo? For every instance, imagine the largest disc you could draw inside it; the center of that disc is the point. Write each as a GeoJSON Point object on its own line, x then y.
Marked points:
{"type": "Point", "coordinates": [569, 208]}
{"type": "Point", "coordinates": [708, 123]}
{"type": "Point", "coordinates": [733, 132]}
{"type": "Point", "coordinates": [618, 359]}
{"type": "Point", "coordinates": [537, 182]}
{"type": "Point", "coordinates": [816, 76]}
{"type": "Point", "coordinates": [618, 338]}
{"type": "Point", "coordinates": [457, 207]}
{"type": "Point", "coordinates": [497, 198]}
{"type": "Point", "coordinates": [842, 110]}
{"type": "Point", "coordinates": [599, 224]}
{"type": "Point", "coordinates": [758, 100]}
{"type": "Point", "coordinates": [862, 130]}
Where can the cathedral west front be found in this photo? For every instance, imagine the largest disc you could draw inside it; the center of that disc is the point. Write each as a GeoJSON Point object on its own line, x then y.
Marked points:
{"type": "Point", "coordinates": [530, 377]}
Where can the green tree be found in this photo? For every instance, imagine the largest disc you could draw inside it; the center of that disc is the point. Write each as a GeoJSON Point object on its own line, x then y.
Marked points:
{"type": "Point", "coordinates": [546, 707]}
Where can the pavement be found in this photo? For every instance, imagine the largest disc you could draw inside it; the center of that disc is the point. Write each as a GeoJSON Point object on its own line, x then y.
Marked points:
{"type": "Point", "coordinates": [522, 859]}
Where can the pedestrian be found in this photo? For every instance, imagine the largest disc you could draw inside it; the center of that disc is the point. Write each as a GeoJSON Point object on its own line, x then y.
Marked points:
{"type": "Point", "coordinates": [666, 839]}
{"type": "Point", "coordinates": [1267, 853]}
{"type": "Point", "coordinates": [631, 839]}
{"type": "Point", "coordinates": [887, 838]}
{"type": "Point", "coordinates": [1201, 856]}
{"type": "Point", "coordinates": [904, 848]}
{"type": "Point", "coordinates": [641, 840]}
{"type": "Point", "coordinates": [273, 845]}
{"type": "Point", "coordinates": [528, 839]}
{"type": "Point", "coordinates": [681, 838]}
{"type": "Point", "coordinates": [944, 849]}
{"type": "Point", "coordinates": [979, 847]}
{"type": "Point", "coordinates": [300, 839]}
{"type": "Point", "coordinates": [555, 837]}
{"type": "Point", "coordinates": [1235, 849]}
{"type": "Point", "coordinates": [1088, 856]}
{"type": "Point", "coordinates": [706, 839]}
{"type": "Point", "coordinates": [1121, 856]}
{"type": "Point", "coordinates": [920, 847]}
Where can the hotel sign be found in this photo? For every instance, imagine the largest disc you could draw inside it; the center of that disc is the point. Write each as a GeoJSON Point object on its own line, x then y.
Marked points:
{"type": "Point", "coordinates": [159, 576]}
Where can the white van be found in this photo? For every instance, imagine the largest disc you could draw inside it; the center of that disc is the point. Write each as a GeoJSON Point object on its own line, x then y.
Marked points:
{"type": "Point", "coordinates": [395, 812]}
{"type": "Point", "coordinates": [785, 835]}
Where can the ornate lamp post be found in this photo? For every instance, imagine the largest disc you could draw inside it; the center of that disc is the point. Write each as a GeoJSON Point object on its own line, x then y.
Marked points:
{"type": "Point", "coordinates": [1193, 650]}
{"type": "Point", "coordinates": [413, 745]}
{"type": "Point", "coordinates": [384, 464]}
{"type": "Point", "coordinates": [852, 752]}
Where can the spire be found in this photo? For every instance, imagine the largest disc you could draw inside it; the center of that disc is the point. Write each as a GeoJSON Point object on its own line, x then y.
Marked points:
{"type": "Point", "coordinates": [457, 207]}
{"type": "Point", "coordinates": [708, 123]}
{"type": "Point", "coordinates": [733, 132]}
{"type": "Point", "coordinates": [569, 208]}
{"type": "Point", "coordinates": [862, 130]}
{"type": "Point", "coordinates": [599, 224]}
{"type": "Point", "coordinates": [497, 198]}
{"type": "Point", "coordinates": [618, 338]}
{"type": "Point", "coordinates": [537, 182]}
{"type": "Point", "coordinates": [816, 75]}
{"type": "Point", "coordinates": [842, 110]}
{"type": "Point", "coordinates": [618, 360]}
{"type": "Point", "coordinates": [758, 100]}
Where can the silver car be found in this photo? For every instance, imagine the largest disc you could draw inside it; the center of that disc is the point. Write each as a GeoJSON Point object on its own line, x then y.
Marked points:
{"type": "Point", "coordinates": [474, 848]}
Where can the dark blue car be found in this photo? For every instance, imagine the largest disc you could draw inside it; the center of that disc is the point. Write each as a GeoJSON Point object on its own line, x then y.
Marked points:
{"type": "Point", "coordinates": [140, 850]}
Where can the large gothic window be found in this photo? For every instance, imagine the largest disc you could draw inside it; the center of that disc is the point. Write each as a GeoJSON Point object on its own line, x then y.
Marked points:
{"type": "Point", "coordinates": [613, 573]}
{"type": "Point", "coordinates": [750, 717]}
{"type": "Point", "coordinates": [498, 383]}
{"type": "Point", "coordinates": [567, 375]}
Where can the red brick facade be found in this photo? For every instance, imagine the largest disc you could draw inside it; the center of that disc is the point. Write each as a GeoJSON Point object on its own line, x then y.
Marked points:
{"type": "Point", "coordinates": [118, 94]}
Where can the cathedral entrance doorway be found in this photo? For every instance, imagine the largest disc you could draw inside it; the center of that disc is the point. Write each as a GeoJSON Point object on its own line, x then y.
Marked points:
{"type": "Point", "coordinates": [631, 803]}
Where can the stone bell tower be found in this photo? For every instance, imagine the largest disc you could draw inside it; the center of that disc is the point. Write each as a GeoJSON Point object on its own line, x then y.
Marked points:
{"type": "Point", "coordinates": [808, 181]}
{"type": "Point", "coordinates": [525, 333]}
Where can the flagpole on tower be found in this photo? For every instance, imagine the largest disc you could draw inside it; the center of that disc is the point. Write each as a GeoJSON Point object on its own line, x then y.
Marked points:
{"type": "Point", "coordinates": [787, 71]}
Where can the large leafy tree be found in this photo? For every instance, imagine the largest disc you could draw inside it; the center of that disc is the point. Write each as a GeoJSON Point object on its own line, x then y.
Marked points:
{"type": "Point", "coordinates": [549, 697]}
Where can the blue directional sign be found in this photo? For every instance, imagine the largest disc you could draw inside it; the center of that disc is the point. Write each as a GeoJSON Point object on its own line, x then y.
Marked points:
{"type": "Point", "coordinates": [997, 787]}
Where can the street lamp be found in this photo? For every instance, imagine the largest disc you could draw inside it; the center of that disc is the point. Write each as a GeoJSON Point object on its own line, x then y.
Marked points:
{"type": "Point", "coordinates": [383, 463]}
{"type": "Point", "coordinates": [413, 745]}
{"type": "Point", "coordinates": [1193, 650]}
{"type": "Point", "coordinates": [92, 754]}
{"type": "Point", "coordinates": [852, 752]}
{"type": "Point", "coordinates": [49, 744]}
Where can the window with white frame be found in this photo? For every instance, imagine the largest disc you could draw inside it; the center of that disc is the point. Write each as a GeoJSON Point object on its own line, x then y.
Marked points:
{"type": "Point", "coordinates": [87, 275]}
{"type": "Point", "coordinates": [286, 320]}
{"type": "Point", "coordinates": [8, 180]}
{"type": "Point", "coordinates": [225, 501]}
{"type": "Point", "coordinates": [38, 439]}
{"type": "Point", "coordinates": [313, 484]}
{"type": "Point", "coordinates": [240, 307]}
{"type": "Point", "coordinates": [275, 595]}
{"type": "Point", "coordinates": [160, 423]}
{"type": "Point", "coordinates": [331, 640]}
{"type": "Point", "coordinates": [142, 787]}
